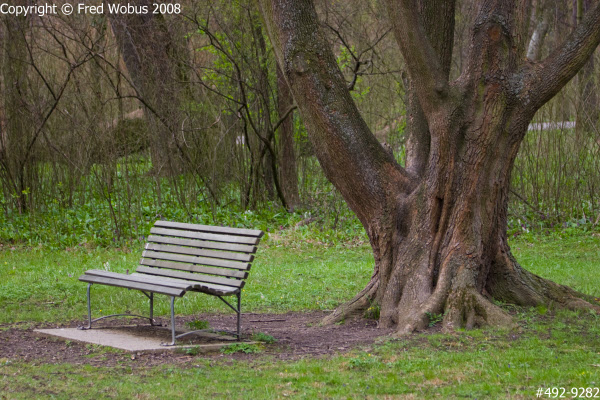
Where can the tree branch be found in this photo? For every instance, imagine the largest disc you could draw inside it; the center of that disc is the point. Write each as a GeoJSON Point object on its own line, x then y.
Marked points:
{"type": "Point", "coordinates": [284, 117]}
{"type": "Point", "coordinates": [424, 67]}
{"type": "Point", "coordinates": [548, 77]}
{"type": "Point", "coordinates": [351, 157]}
{"type": "Point", "coordinates": [437, 20]}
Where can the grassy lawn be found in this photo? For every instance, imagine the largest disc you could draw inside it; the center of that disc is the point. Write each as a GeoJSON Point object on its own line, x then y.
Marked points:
{"type": "Point", "coordinates": [42, 285]}
{"type": "Point", "coordinates": [548, 349]}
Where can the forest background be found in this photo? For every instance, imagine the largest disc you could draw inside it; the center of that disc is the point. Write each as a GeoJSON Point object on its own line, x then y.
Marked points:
{"type": "Point", "coordinates": [110, 122]}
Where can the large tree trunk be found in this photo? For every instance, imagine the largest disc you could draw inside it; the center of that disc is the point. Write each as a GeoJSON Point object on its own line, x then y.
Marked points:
{"type": "Point", "coordinates": [438, 227]}
{"type": "Point", "coordinates": [15, 129]}
{"type": "Point", "coordinates": [155, 60]}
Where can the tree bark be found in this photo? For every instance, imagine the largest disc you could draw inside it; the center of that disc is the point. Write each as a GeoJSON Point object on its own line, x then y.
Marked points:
{"type": "Point", "coordinates": [15, 132]}
{"type": "Point", "coordinates": [536, 43]}
{"type": "Point", "coordinates": [154, 61]}
{"type": "Point", "coordinates": [288, 173]}
{"type": "Point", "coordinates": [438, 229]}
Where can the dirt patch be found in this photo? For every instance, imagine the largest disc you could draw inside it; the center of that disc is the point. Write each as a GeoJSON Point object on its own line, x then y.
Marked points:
{"type": "Point", "coordinates": [298, 335]}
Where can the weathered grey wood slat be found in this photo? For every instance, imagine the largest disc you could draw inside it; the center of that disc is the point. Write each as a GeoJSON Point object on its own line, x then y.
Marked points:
{"type": "Point", "coordinates": [173, 283]}
{"type": "Point", "coordinates": [191, 251]}
{"type": "Point", "coordinates": [175, 265]}
{"type": "Point", "coordinates": [205, 236]}
{"type": "Point", "coordinates": [191, 276]}
{"type": "Point", "coordinates": [132, 285]}
{"type": "Point", "coordinates": [226, 272]}
{"type": "Point", "coordinates": [202, 244]}
{"type": "Point", "coordinates": [215, 262]}
{"type": "Point", "coordinates": [197, 286]}
{"type": "Point", "coordinates": [210, 229]}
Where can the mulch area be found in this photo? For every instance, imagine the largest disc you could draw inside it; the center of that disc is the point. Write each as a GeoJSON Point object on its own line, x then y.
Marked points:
{"type": "Point", "coordinates": [298, 335]}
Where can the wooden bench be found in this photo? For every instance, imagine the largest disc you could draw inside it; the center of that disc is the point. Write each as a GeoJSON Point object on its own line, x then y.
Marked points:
{"type": "Point", "coordinates": [180, 258]}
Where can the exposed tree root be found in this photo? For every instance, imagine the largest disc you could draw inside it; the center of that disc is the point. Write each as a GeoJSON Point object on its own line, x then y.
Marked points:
{"type": "Point", "coordinates": [510, 283]}
{"type": "Point", "coordinates": [357, 306]}
{"type": "Point", "coordinates": [464, 306]}
{"type": "Point", "coordinates": [470, 309]}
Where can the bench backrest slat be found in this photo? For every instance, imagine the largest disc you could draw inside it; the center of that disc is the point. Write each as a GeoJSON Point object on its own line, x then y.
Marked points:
{"type": "Point", "coordinates": [159, 264]}
{"type": "Point", "coordinates": [210, 229]}
{"type": "Point", "coordinates": [214, 262]}
{"type": "Point", "coordinates": [203, 244]}
{"type": "Point", "coordinates": [211, 255]}
{"type": "Point", "coordinates": [194, 251]}
{"type": "Point", "coordinates": [206, 236]}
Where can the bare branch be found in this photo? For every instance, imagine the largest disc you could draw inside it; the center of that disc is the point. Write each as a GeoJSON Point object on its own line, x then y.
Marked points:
{"type": "Point", "coordinates": [358, 62]}
{"type": "Point", "coordinates": [284, 117]}
{"type": "Point", "coordinates": [546, 78]}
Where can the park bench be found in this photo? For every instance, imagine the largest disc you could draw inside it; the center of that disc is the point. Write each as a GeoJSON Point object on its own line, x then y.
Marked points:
{"type": "Point", "coordinates": [180, 258]}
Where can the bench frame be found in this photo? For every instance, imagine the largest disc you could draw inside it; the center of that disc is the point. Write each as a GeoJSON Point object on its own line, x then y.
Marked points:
{"type": "Point", "coordinates": [185, 259]}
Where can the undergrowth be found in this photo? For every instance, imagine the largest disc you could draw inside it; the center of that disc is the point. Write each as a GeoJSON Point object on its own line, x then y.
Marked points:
{"type": "Point", "coordinates": [122, 217]}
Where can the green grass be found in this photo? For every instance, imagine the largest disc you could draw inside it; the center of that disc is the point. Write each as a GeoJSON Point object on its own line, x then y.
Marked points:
{"type": "Point", "coordinates": [41, 285]}
{"type": "Point", "coordinates": [548, 349]}
{"type": "Point", "coordinates": [544, 351]}
{"type": "Point", "coordinates": [570, 257]}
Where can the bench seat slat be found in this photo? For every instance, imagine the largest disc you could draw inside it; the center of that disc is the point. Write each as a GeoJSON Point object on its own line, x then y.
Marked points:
{"type": "Point", "coordinates": [194, 251]}
{"type": "Point", "coordinates": [190, 285]}
{"type": "Point", "coordinates": [156, 264]}
{"type": "Point", "coordinates": [203, 244]}
{"type": "Point", "coordinates": [190, 276]}
{"type": "Point", "coordinates": [184, 285]}
{"type": "Point", "coordinates": [132, 285]}
{"type": "Point", "coordinates": [210, 229]}
{"type": "Point", "coordinates": [159, 284]}
{"type": "Point", "coordinates": [204, 287]}
{"type": "Point", "coordinates": [205, 236]}
{"type": "Point", "coordinates": [215, 262]}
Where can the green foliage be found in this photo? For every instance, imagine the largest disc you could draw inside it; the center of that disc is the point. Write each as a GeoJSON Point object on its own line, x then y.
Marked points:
{"type": "Point", "coordinates": [373, 312]}
{"type": "Point", "coordinates": [192, 351]}
{"type": "Point", "coordinates": [246, 348]}
{"type": "Point", "coordinates": [126, 219]}
{"type": "Point", "coordinates": [198, 325]}
{"type": "Point", "coordinates": [434, 318]}
{"type": "Point", "coordinates": [263, 337]}
{"type": "Point", "coordinates": [364, 361]}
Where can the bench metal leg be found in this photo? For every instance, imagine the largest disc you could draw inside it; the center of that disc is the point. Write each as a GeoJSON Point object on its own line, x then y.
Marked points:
{"type": "Point", "coordinates": [239, 315]}
{"type": "Point", "coordinates": [151, 309]}
{"type": "Point", "coordinates": [89, 307]}
{"type": "Point", "coordinates": [151, 298]}
{"type": "Point", "coordinates": [238, 311]}
{"type": "Point", "coordinates": [172, 324]}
